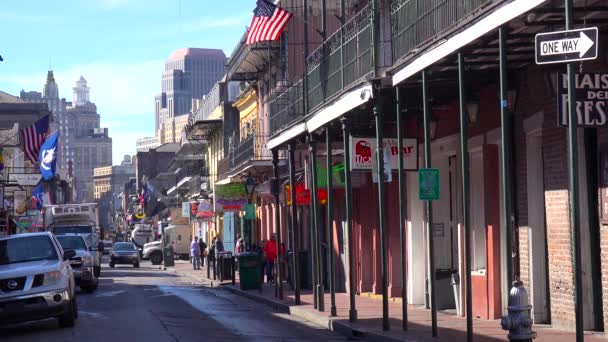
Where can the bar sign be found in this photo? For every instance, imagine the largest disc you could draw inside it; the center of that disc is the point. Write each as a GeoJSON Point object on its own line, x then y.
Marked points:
{"type": "Point", "coordinates": [566, 46]}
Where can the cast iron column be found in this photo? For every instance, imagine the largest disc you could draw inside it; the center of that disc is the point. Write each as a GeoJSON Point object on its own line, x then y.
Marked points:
{"type": "Point", "coordinates": [381, 214]}
{"type": "Point", "coordinates": [573, 168]}
{"type": "Point", "coordinates": [277, 217]}
{"type": "Point", "coordinates": [318, 277]}
{"type": "Point", "coordinates": [402, 210]}
{"type": "Point", "coordinates": [330, 223]}
{"type": "Point", "coordinates": [295, 274]}
{"type": "Point", "coordinates": [464, 166]}
{"type": "Point", "coordinates": [505, 131]}
{"type": "Point", "coordinates": [352, 313]}
{"type": "Point", "coordinates": [429, 204]}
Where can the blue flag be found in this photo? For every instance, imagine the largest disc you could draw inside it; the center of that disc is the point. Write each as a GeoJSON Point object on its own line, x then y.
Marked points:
{"type": "Point", "coordinates": [48, 156]}
{"type": "Point", "coordinates": [38, 195]}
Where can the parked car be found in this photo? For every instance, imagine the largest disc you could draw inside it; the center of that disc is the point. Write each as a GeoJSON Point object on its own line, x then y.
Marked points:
{"type": "Point", "coordinates": [124, 253]}
{"type": "Point", "coordinates": [36, 280]}
{"type": "Point", "coordinates": [82, 264]}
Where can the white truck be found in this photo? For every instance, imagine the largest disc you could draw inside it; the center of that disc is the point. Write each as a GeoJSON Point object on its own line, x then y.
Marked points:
{"type": "Point", "coordinates": [142, 234]}
{"type": "Point", "coordinates": [178, 236]}
{"type": "Point", "coordinates": [81, 219]}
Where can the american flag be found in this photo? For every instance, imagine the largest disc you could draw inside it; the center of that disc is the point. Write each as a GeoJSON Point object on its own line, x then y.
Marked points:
{"type": "Point", "coordinates": [33, 136]}
{"type": "Point", "coordinates": [268, 22]}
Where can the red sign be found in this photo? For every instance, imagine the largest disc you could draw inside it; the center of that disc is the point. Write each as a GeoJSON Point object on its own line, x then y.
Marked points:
{"type": "Point", "coordinates": [302, 194]}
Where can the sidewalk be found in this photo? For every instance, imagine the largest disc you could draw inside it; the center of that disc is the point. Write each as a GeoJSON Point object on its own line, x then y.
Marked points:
{"type": "Point", "coordinates": [369, 310]}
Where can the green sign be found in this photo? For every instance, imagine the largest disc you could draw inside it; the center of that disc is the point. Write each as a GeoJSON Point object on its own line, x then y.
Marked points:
{"type": "Point", "coordinates": [429, 184]}
{"type": "Point", "coordinates": [337, 173]}
{"type": "Point", "coordinates": [250, 212]}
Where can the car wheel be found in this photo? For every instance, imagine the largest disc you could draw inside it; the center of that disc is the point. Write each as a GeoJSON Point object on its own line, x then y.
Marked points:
{"type": "Point", "coordinates": [97, 270]}
{"type": "Point", "coordinates": [156, 258]}
{"type": "Point", "coordinates": [112, 265]}
{"type": "Point", "coordinates": [67, 319]}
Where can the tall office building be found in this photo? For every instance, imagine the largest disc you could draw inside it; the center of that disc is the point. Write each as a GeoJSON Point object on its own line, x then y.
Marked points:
{"type": "Point", "coordinates": [83, 144]}
{"type": "Point", "coordinates": [189, 73]}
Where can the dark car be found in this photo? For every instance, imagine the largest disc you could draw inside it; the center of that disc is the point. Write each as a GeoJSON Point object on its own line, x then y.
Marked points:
{"type": "Point", "coordinates": [124, 253]}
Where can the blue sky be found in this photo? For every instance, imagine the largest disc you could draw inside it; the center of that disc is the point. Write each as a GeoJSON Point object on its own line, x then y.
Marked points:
{"type": "Point", "coordinates": [119, 46]}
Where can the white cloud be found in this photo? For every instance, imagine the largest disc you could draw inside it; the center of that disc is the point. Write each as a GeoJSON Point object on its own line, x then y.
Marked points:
{"type": "Point", "coordinates": [124, 95]}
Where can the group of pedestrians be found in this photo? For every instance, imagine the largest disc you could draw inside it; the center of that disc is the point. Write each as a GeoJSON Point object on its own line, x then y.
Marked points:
{"type": "Point", "coordinates": [198, 249]}
{"type": "Point", "coordinates": [266, 249]}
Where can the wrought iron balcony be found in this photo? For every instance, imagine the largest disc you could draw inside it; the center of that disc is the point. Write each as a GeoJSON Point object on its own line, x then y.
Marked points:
{"type": "Point", "coordinates": [249, 149]}
{"type": "Point", "coordinates": [343, 59]}
{"type": "Point", "coordinates": [286, 106]}
{"type": "Point", "coordinates": [418, 21]}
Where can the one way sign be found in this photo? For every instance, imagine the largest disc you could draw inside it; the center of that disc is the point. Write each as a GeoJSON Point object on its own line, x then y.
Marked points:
{"type": "Point", "coordinates": [566, 46]}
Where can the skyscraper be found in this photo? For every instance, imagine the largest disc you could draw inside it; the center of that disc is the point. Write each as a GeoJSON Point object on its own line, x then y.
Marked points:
{"type": "Point", "coordinates": [83, 144]}
{"type": "Point", "coordinates": [189, 73]}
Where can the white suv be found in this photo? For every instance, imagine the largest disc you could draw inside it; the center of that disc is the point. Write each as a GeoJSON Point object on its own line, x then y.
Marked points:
{"type": "Point", "coordinates": [36, 280]}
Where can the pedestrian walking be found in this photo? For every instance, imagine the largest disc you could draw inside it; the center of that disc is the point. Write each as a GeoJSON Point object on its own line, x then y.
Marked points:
{"type": "Point", "coordinates": [270, 252]}
{"type": "Point", "coordinates": [195, 253]}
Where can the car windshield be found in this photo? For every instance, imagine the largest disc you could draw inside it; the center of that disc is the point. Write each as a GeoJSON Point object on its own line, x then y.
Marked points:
{"type": "Point", "coordinates": [123, 247]}
{"type": "Point", "coordinates": [30, 248]}
{"type": "Point", "coordinates": [72, 242]}
{"type": "Point", "coordinates": [73, 230]}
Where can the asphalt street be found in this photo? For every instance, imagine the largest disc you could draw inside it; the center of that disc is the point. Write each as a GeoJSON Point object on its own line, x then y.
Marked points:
{"type": "Point", "coordinates": [148, 304]}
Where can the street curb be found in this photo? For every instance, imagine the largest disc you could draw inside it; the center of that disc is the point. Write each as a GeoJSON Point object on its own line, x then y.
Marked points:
{"type": "Point", "coordinates": [283, 308]}
{"type": "Point", "coordinates": [331, 324]}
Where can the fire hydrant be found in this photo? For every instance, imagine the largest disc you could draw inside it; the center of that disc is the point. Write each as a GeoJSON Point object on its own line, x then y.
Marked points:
{"type": "Point", "coordinates": [518, 321]}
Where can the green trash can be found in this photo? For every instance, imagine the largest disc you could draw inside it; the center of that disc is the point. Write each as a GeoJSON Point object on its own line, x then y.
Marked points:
{"type": "Point", "coordinates": [249, 270]}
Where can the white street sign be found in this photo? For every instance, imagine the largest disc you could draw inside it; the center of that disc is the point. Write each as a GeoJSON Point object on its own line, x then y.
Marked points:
{"type": "Point", "coordinates": [566, 46]}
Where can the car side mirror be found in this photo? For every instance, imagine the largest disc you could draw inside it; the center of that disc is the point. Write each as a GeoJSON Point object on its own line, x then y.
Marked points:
{"type": "Point", "coordinates": [69, 254]}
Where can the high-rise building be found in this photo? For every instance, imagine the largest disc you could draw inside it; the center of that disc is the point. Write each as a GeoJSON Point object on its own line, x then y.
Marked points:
{"type": "Point", "coordinates": [189, 73]}
{"type": "Point", "coordinates": [146, 143]}
{"type": "Point", "coordinates": [83, 144]}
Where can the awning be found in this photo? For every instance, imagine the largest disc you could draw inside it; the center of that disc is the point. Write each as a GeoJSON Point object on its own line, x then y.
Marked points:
{"type": "Point", "coordinates": [203, 130]}
{"type": "Point", "coordinates": [171, 190]}
{"type": "Point", "coordinates": [287, 135]}
{"type": "Point", "coordinates": [246, 61]}
{"type": "Point", "coordinates": [347, 102]}
{"type": "Point", "coordinates": [491, 22]}
{"type": "Point", "coordinates": [183, 181]}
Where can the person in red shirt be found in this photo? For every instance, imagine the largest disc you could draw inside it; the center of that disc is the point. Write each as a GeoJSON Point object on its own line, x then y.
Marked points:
{"type": "Point", "coordinates": [270, 252]}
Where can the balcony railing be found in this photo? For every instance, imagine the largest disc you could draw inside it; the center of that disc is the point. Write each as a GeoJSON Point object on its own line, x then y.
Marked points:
{"type": "Point", "coordinates": [249, 149]}
{"type": "Point", "coordinates": [286, 106]}
{"type": "Point", "coordinates": [417, 21]}
{"type": "Point", "coordinates": [343, 59]}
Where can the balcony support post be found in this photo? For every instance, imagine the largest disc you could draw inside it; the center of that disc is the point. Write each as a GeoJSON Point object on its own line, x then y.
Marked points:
{"type": "Point", "coordinates": [402, 209]}
{"type": "Point", "coordinates": [352, 313]}
{"type": "Point", "coordinates": [330, 223]}
{"type": "Point", "coordinates": [574, 186]}
{"type": "Point", "coordinates": [295, 272]}
{"type": "Point", "coordinates": [382, 212]}
{"type": "Point", "coordinates": [429, 204]}
{"type": "Point", "coordinates": [314, 236]}
{"type": "Point", "coordinates": [277, 217]}
{"type": "Point", "coordinates": [464, 167]}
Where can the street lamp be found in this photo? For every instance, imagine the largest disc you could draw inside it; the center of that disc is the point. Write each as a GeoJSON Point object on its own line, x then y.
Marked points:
{"type": "Point", "coordinates": [250, 185]}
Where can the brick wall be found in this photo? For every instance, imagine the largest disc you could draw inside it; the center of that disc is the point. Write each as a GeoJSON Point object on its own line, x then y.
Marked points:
{"type": "Point", "coordinates": [534, 97]}
{"type": "Point", "coordinates": [602, 137]}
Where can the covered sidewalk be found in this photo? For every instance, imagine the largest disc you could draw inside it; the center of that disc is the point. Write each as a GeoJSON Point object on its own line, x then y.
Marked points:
{"type": "Point", "coordinates": [369, 309]}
